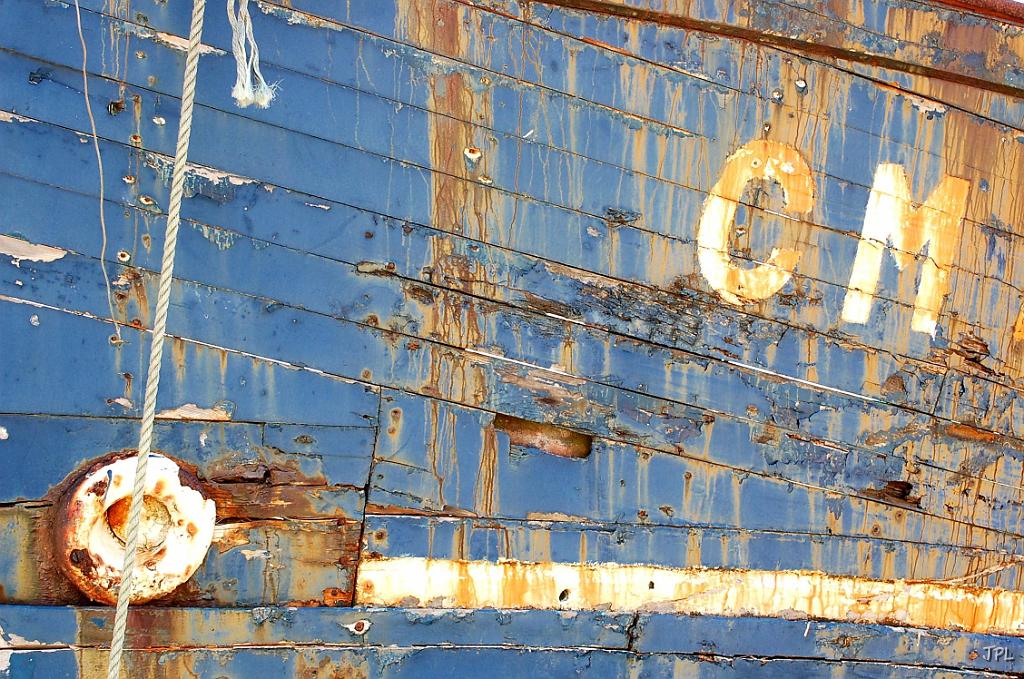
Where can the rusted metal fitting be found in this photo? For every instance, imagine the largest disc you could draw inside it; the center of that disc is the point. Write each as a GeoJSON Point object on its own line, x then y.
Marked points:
{"type": "Point", "coordinates": [473, 156]}
{"type": "Point", "coordinates": [359, 627]}
{"type": "Point", "coordinates": [92, 527]}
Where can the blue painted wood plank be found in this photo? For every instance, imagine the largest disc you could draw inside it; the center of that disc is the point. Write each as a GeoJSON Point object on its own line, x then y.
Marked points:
{"type": "Point", "coordinates": [829, 253]}
{"type": "Point", "coordinates": [414, 253]}
{"type": "Point", "coordinates": [834, 640]}
{"type": "Point", "coordinates": [855, 372]}
{"type": "Point", "coordinates": [824, 429]}
{"type": "Point", "coordinates": [536, 541]}
{"type": "Point", "coordinates": [865, 518]}
{"type": "Point", "coordinates": [442, 458]}
{"type": "Point", "coordinates": [900, 34]}
{"type": "Point", "coordinates": [59, 446]}
{"type": "Point", "coordinates": [321, 625]}
{"type": "Point", "coordinates": [39, 664]}
{"type": "Point", "coordinates": [288, 563]}
{"type": "Point", "coordinates": [731, 442]}
{"type": "Point", "coordinates": [248, 389]}
{"type": "Point", "coordinates": [35, 627]}
{"type": "Point", "coordinates": [421, 663]}
{"type": "Point", "coordinates": [564, 63]}
{"type": "Point", "coordinates": [653, 633]}
{"type": "Point", "coordinates": [343, 453]}
{"type": "Point", "coordinates": [251, 563]}
{"type": "Point", "coordinates": [334, 462]}
{"type": "Point", "coordinates": [306, 209]}
{"type": "Point", "coordinates": [736, 444]}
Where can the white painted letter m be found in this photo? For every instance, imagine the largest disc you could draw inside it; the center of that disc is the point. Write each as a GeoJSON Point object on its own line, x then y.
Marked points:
{"type": "Point", "coordinates": [892, 219]}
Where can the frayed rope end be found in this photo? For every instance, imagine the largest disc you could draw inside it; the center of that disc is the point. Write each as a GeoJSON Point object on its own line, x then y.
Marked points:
{"type": "Point", "coordinates": [247, 64]}
{"type": "Point", "coordinates": [264, 94]}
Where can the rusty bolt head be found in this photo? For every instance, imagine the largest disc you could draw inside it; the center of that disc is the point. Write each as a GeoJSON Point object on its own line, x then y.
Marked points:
{"type": "Point", "coordinates": [128, 179]}
{"type": "Point", "coordinates": [777, 95]}
{"type": "Point", "coordinates": [359, 627]}
{"type": "Point", "coordinates": [147, 201]}
{"type": "Point", "coordinates": [472, 155]}
{"type": "Point", "coordinates": [801, 85]}
{"type": "Point", "coordinates": [92, 521]}
{"type": "Point", "coordinates": [124, 256]}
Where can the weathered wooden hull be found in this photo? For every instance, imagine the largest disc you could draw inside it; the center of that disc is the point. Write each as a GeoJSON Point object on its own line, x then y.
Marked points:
{"type": "Point", "coordinates": [634, 337]}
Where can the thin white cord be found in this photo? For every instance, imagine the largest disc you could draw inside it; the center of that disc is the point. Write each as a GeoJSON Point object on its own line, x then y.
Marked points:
{"type": "Point", "coordinates": [99, 164]}
{"type": "Point", "coordinates": [159, 330]}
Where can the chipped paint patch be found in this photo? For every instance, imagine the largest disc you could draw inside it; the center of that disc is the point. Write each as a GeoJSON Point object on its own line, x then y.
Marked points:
{"type": "Point", "coordinates": [4, 435]}
{"type": "Point", "coordinates": [168, 39]}
{"type": "Point", "coordinates": [219, 237]}
{"type": "Point", "coordinates": [691, 591]}
{"type": "Point", "coordinates": [219, 176]}
{"type": "Point", "coordinates": [164, 165]}
{"type": "Point", "coordinates": [251, 554]}
{"type": "Point", "coordinates": [925, 106]}
{"type": "Point", "coordinates": [8, 117]}
{"type": "Point", "coordinates": [20, 250]}
{"type": "Point", "coordinates": [296, 18]}
{"type": "Point", "coordinates": [191, 411]}
{"type": "Point", "coordinates": [12, 640]}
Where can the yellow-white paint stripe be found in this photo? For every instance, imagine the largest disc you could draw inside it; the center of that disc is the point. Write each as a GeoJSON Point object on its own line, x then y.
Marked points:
{"type": "Point", "coordinates": [447, 583]}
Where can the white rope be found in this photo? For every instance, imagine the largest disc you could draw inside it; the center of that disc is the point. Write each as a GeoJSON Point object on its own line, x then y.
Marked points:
{"type": "Point", "coordinates": [250, 87]}
{"type": "Point", "coordinates": [159, 329]}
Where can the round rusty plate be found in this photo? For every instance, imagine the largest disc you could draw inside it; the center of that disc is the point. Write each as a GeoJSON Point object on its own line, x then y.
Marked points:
{"type": "Point", "coordinates": [175, 533]}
